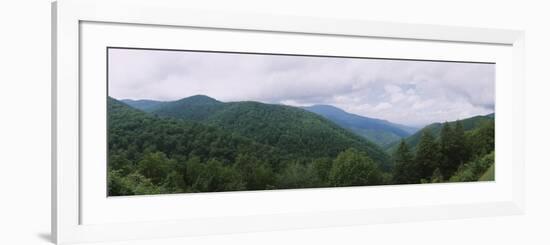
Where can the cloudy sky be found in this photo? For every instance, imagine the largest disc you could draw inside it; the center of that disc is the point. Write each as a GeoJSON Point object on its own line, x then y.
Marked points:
{"type": "Point", "coordinates": [408, 92]}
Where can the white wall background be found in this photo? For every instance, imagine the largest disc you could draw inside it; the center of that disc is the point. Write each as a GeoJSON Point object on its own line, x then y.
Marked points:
{"type": "Point", "coordinates": [25, 122]}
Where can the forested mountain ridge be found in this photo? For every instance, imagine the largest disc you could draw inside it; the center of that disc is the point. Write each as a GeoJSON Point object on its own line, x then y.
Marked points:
{"type": "Point", "coordinates": [149, 154]}
{"type": "Point", "coordinates": [435, 128]}
{"type": "Point", "coordinates": [448, 153]}
{"type": "Point", "coordinates": [288, 128]}
{"type": "Point", "coordinates": [199, 144]}
{"type": "Point", "coordinates": [153, 133]}
{"type": "Point", "coordinates": [196, 108]}
{"type": "Point", "coordinates": [378, 131]}
{"type": "Point", "coordinates": [201, 108]}
{"type": "Point", "coordinates": [144, 105]}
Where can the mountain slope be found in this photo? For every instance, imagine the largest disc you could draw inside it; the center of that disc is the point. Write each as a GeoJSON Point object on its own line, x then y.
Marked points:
{"type": "Point", "coordinates": [290, 129]}
{"type": "Point", "coordinates": [149, 154]}
{"type": "Point", "coordinates": [469, 124]}
{"type": "Point", "coordinates": [129, 126]}
{"type": "Point", "coordinates": [195, 108]}
{"type": "Point", "coordinates": [144, 105]}
{"type": "Point", "coordinates": [378, 131]}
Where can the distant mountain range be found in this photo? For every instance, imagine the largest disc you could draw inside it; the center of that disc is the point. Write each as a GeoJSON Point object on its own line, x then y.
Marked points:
{"type": "Point", "coordinates": [144, 105]}
{"type": "Point", "coordinates": [379, 131]}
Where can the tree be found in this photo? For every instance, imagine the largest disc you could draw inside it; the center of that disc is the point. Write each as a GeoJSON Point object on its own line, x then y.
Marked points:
{"type": "Point", "coordinates": [405, 170]}
{"type": "Point", "coordinates": [474, 169]}
{"type": "Point", "coordinates": [437, 177]}
{"type": "Point", "coordinates": [354, 168]}
{"type": "Point", "coordinates": [448, 146]}
{"type": "Point", "coordinates": [428, 155]}
{"type": "Point", "coordinates": [131, 184]}
{"type": "Point", "coordinates": [155, 166]}
{"type": "Point", "coordinates": [454, 148]}
{"type": "Point", "coordinates": [256, 174]}
{"type": "Point", "coordinates": [296, 175]}
{"type": "Point", "coordinates": [482, 140]}
{"type": "Point", "coordinates": [462, 151]}
{"type": "Point", "coordinates": [174, 182]}
{"type": "Point", "coordinates": [322, 167]}
{"type": "Point", "coordinates": [214, 176]}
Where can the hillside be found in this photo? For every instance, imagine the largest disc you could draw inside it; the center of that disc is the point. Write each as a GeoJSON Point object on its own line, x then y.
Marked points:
{"type": "Point", "coordinates": [129, 126]}
{"type": "Point", "coordinates": [196, 108]}
{"type": "Point", "coordinates": [144, 105]}
{"type": "Point", "coordinates": [469, 124]}
{"type": "Point", "coordinates": [150, 154]}
{"type": "Point", "coordinates": [290, 129]}
{"type": "Point", "coordinates": [378, 131]}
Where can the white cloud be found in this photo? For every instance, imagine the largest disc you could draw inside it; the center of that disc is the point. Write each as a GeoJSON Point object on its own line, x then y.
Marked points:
{"type": "Point", "coordinates": [408, 92]}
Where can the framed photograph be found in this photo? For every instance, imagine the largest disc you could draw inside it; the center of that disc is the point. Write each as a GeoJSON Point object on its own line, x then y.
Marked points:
{"type": "Point", "coordinates": [171, 122]}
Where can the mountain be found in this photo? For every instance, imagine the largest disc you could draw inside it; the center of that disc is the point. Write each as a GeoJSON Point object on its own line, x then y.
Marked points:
{"type": "Point", "coordinates": [152, 155]}
{"type": "Point", "coordinates": [130, 126]}
{"type": "Point", "coordinates": [378, 131]}
{"type": "Point", "coordinates": [469, 124]}
{"type": "Point", "coordinates": [196, 108]}
{"type": "Point", "coordinates": [244, 146]}
{"type": "Point", "coordinates": [144, 105]}
{"type": "Point", "coordinates": [297, 132]}
{"type": "Point", "coordinates": [199, 144]}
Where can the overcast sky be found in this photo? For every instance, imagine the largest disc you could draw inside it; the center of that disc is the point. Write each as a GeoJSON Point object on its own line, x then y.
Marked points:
{"type": "Point", "coordinates": [408, 92]}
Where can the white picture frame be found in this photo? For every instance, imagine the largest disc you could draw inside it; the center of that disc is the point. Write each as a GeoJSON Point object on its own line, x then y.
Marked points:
{"type": "Point", "coordinates": [68, 197]}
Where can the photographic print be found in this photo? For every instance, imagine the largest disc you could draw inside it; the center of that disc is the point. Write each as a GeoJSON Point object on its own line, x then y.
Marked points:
{"type": "Point", "coordinates": [185, 121]}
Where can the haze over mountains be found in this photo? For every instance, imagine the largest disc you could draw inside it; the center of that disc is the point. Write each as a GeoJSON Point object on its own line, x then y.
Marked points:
{"type": "Point", "coordinates": [379, 131]}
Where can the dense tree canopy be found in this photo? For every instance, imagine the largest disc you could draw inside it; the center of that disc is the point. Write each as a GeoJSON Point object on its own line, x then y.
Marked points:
{"type": "Point", "coordinates": [354, 168]}
{"type": "Point", "coordinates": [456, 156]}
{"type": "Point", "coordinates": [253, 146]}
{"type": "Point", "coordinates": [149, 154]}
{"type": "Point", "coordinates": [405, 169]}
{"type": "Point", "coordinates": [428, 155]}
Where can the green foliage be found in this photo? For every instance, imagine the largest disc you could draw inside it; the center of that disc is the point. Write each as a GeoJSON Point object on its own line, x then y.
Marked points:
{"type": "Point", "coordinates": [453, 148]}
{"type": "Point", "coordinates": [481, 141]}
{"type": "Point", "coordinates": [131, 184]}
{"type": "Point", "coordinates": [298, 175]}
{"type": "Point", "coordinates": [297, 132]}
{"type": "Point", "coordinates": [213, 176]}
{"type": "Point", "coordinates": [321, 168]}
{"type": "Point", "coordinates": [354, 168]}
{"type": "Point", "coordinates": [473, 170]}
{"type": "Point", "coordinates": [468, 124]}
{"type": "Point", "coordinates": [199, 144]}
{"type": "Point", "coordinates": [256, 173]}
{"type": "Point", "coordinates": [405, 170]}
{"type": "Point", "coordinates": [155, 166]}
{"type": "Point", "coordinates": [489, 174]}
{"type": "Point", "coordinates": [428, 155]}
{"type": "Point", "coordinates": [150, 155]}
{"type": "Point", "coordinates": [437, 176]}
{"type": "Point", "coordinates": [196, 108]}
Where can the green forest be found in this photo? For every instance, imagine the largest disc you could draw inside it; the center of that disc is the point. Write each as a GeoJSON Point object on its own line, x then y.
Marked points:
{"type": "Point", "coordinates": [199, 144]}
